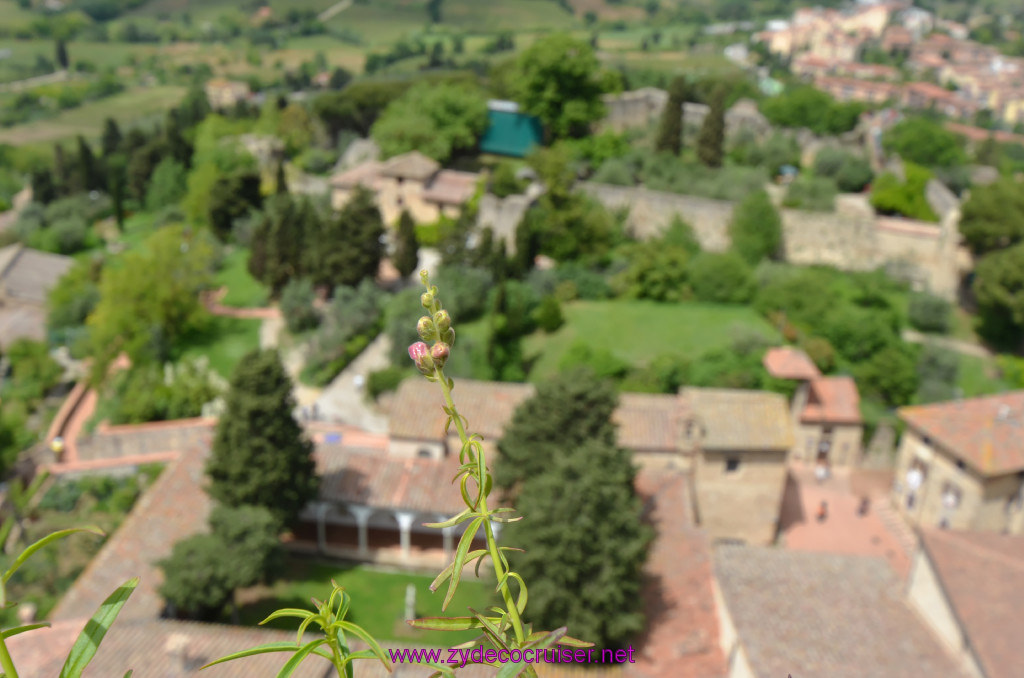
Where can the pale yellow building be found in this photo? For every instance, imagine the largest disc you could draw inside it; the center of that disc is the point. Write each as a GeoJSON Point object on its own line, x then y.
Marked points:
{"type": "Point", "coordinates": [223, 94]}
{"type": "Point", "coordinates": [411, 182]}
{"type": "Point", "coordinates": [742, 439]}
{"type": "Point", "coordinates": [961, 464]}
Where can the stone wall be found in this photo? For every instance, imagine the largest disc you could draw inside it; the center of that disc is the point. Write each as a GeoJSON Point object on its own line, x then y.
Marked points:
{"type": "Point", "coordinates": [115, 442]}
{"type": "Point", "coordinates": [850, 238]}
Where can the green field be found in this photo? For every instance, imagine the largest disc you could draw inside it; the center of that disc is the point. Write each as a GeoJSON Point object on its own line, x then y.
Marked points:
{"type": "Point", "coordinates": [244, 291]}
{"type": "Point", "coordinates": [87, 120]}
{"type": "Point", "coordinates": [224, 342]}
{"type": "Point", "coordinates": [637, 331]}
{"type": "Point", "coordinates": [378, 600]}
{"type": "Point", "coordinates": [979, 376]}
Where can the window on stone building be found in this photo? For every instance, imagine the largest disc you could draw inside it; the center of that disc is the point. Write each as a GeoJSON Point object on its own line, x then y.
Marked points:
{"type": "Point", "coordinates": [424, 453]}
{"type": "Point", "coordinates": [951, 496]}
{"type": "Point", "coordinates": [732, 464]}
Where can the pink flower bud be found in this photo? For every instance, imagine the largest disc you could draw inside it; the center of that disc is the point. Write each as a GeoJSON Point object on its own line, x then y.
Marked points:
{"type": "Point", "coordinates": [421, 356]}
{"type": "Point", "coordinates": [425, 328]}
{"type": "Point", "coordinates": [439, 352]}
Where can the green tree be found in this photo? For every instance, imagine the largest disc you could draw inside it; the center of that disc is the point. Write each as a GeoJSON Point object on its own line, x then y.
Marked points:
{"type": "Point", "coordinates": [111, 140]}
{"type": "Point", "coordinates": [929, 313]}
{"type": "Point", "coordinates": [280, 180]}
{"type": "Point", "coordinates": [62, 55]}
{"type": "Point", "coordinates": [993, 217]}
{"type": "Point", "coordinates": [280, 242]}
{"type": "Point", "coordinates": [559, 81]}
{"type": "Point", "coordinates": [260, 455]}
{"type": "Point", "coordinates": [352, 243]}
{"type": "Point", "coordinates": [356, 107]}
{"type": "Point", "coordinates": [670, 132]}
{"type": "Point", "coordinates": [711, 142]}
{"type": "Point", "coordinates": [231, 198]}
{"type": "Point", "coordinates": [74, 296]}
{"type": "Point", "coordinates": [891, 374]}
{"type": "Point", "coordinates": [434, 11]}
{"type": "Point", "coordinates": [564, 413]}
{"type": "Point", "coordinates": [906, 198]}
{"type": "Point", "coordinates": [851, 173]}
{"type": "Point", "coordinates": [297, 307]}
{"type": "Point", "coordinates": [34, 372]}
{"type": "Point", "coordinates": [548, 315]}
{"type": "Point", "coordinates": [87, 176]}
{"type": "Point", "coordinates": [805, 106]}
{"type": "Point", "coordinates": [438, 120]}
{"type": "Point", "coordinates": [925, 142]}
{"type": "Point", "coordinates": [756, 229]}
{"type": "Point", "coordinates": [576, 469]}
{"type": "Point", "coordinates": [406, 255]}
{"type": "Point", "coordinates": [167, 186]}
{"type": "Point", "coordinates": [151, 298]}
{"type": "Point", "coordinates": [999, 290]}
{"type": "Point", "coordinates": [657, 270]}
{"type": "Point", "coordinates": [723, 278]}
{"type": "Point", "coordinates": [203, 571]}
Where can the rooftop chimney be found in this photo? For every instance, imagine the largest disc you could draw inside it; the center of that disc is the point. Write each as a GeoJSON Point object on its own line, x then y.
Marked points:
{"type": "Point", "coordinates": [1003, 413]}
{"type": "Point", "coordinates": [176, 648]}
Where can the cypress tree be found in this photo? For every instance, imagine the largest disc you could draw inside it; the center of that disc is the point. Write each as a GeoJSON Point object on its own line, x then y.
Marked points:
{"type": "Point", "coordinates": [406, 248]}
{"type": "Point", "coordinates": [62, 55]}
{"type": "Point", "coordinates": [712, 132]}
{"type": "Point", "coordinates": [281, 182]}
{"type": "Point", "coordinates": [112, 138]}
{"type": "Point", "coordinates": [61, 171]}
{"type": "Point", "coordinates": [260, 454]}
{"type": "Point", "coordinates": [43, 189]}
{"type": "Point", "coordinates": [89, 177]}
{"type": "Point", "coordinates": [352, 247]}
{"type": "Point", "coordinates": [670, 133]}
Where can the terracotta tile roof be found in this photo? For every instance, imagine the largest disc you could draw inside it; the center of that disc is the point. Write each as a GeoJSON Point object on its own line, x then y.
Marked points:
{"type": "Point", "coordinates": [741, 420]}
{"type": "Point", "coordinates": [411, 165]}
{"type": "Point", "coordinates": [786, 362]}
{"type": "Point", "coordinates": [987, 433]}
{"type": "Point", "coordinates": [367, 174]}
{"type": "Point", "coordinates": [681, 640]}
{"type": "Point", "coordinates": [981, 134]}
{"type": "Point", "coordinates": [646, 421]}
{"type": "Point", "coordinates": [832, 400]}
{"type": "Point", "coordinates": [982, 576]}
{"type": "Point", "coordinates": [450, 187]}
{"type": "Point", "coordinates": [486, 405]}
{"type": "Point", "coordinates": [372, 478]}
{"type": "Point", "coordinates": [816, 614]}
{"type": "Point", "coordinates": [649, 421]}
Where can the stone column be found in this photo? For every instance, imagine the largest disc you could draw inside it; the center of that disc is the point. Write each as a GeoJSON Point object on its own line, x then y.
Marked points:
{"type": "Point", "coordinates": [362, 514]}
{"type": "Point", "coordinates": [405, 519]}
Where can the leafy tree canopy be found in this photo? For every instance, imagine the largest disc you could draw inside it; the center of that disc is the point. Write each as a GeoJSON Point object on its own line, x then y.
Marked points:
{"type": "Point", "coordinates": [993, 217]}
{"type": "Point", "coordinates": [925, 142]}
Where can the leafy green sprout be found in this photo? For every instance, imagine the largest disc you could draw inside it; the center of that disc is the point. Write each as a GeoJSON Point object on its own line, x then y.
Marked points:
{"type": "Point", "coordinates": [88, 641]}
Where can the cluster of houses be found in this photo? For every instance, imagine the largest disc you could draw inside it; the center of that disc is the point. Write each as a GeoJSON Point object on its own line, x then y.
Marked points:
{"type": "Point", "coordinates": [827, 45]}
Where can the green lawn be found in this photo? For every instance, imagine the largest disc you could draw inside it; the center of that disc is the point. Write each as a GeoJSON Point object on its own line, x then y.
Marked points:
{"type": "Point", "coordinates": [637, 331]}
{"type": "Point", "coordinates": [126, 107]}
{"type": "Point", "coordinates": [244, 291]}
{"type": "Point", "coordinates": [979, 376]}
{"type": "Point", "coordinates": [378, 600]}
{"type": "Point", "coordinates": [224, 342]}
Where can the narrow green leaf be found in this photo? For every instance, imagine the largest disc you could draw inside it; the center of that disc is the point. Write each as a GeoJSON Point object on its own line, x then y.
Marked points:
{"type": "Point", "coordinates": [442, 670]}
{"type": "Point", "coordinates": [88, 641]}
{"type": "Point", "coordinates": [369, 640]}
{"type": "Point", "coordinates": [48, 539]}
{"type": "Point", "coordinates": [5, 531]}
{"type": "Point", "coordinates": [300, 655]}
{"type": "Point", "coordinates": [573, 642]}
{"type": "Point", "coordinates": [546, 640]}
{"type": "Point", "coordinates": [445, 623]}
{"type": "Point", "coordinates": [281, 646]}
{"type": "Point", "coordinates": [460, 559]}
{"type": "Point", "coordinates": [447, 572]}
{"type": "Point", "coordinates": [514, 519]}
{"type": "Point", "coordinates": [451, 522]}
{"type": "Point", "coordinates": [510, 670]}
{"type": "Point", "coordinates": [129, 674]}
{"type": "Point", "coordinates": [288, 612]}
{"type": "Point", "coordinates": [492, 631]}
{"type": "Point", "coordinates": [521, 599]}
{"type": "Point", "coordinates": [22, 629]}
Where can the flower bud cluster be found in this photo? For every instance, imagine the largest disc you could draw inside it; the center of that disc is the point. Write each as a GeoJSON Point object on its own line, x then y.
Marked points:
{"type": "Point", "coordinates": [436, 329]}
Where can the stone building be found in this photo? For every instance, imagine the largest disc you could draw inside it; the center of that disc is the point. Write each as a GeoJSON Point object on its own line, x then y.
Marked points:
{"type": "Point", "coordinates": [961, 464]}
{"type": "Point", "coordinates": [224, 94]}
{"type": "Point", "coordinates": [410, 181]}
{"type": "Point", "coordinates": [967, 588]}
{"type": "Point", "coordinates": [825, 410]}
{"type": "Point", "coordinates": [741, 441]}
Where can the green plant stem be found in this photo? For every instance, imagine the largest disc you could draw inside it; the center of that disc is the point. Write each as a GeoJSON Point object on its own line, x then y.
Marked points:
{"type": "Point", "coordinates": [492, 546]}
{"type": "Point", "coordinates": [6, 663]}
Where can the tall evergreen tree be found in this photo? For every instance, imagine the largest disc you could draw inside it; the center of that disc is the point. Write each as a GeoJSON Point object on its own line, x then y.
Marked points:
{"type": "Point", "coordinates": [279, 243]}
{"type": "Point", "coordinates": [585, 566]}
{"type": "Point", "coordinates": [117, 186]}
{"type": "Point", "coordinates": [260, 454]}
{"type": "Point", "coordinates": [62, 55]}
{"type": "Point", "coordinates": [232, 196]}
{"type": "Point", "coordinates": [43, 189]}
{"type": "Point", "coordinates": [112, 139]}
{"type": "Point", "coordinates": [670, 133]}
{"type": "Point", "coordinates": [177, 145]}
{"type": "Point", "coordinates": [61, 171]}
{"type": "Point", "coordinates": [406, 248]}
{"type": "Point", "coordinates": [280, 181]}
{"type": "Point", "coordinates": [89, 177]}
{"type": "Point", "coordinates": [710, 143]}
{"type": "Point", "coordinates": [352, 247]}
